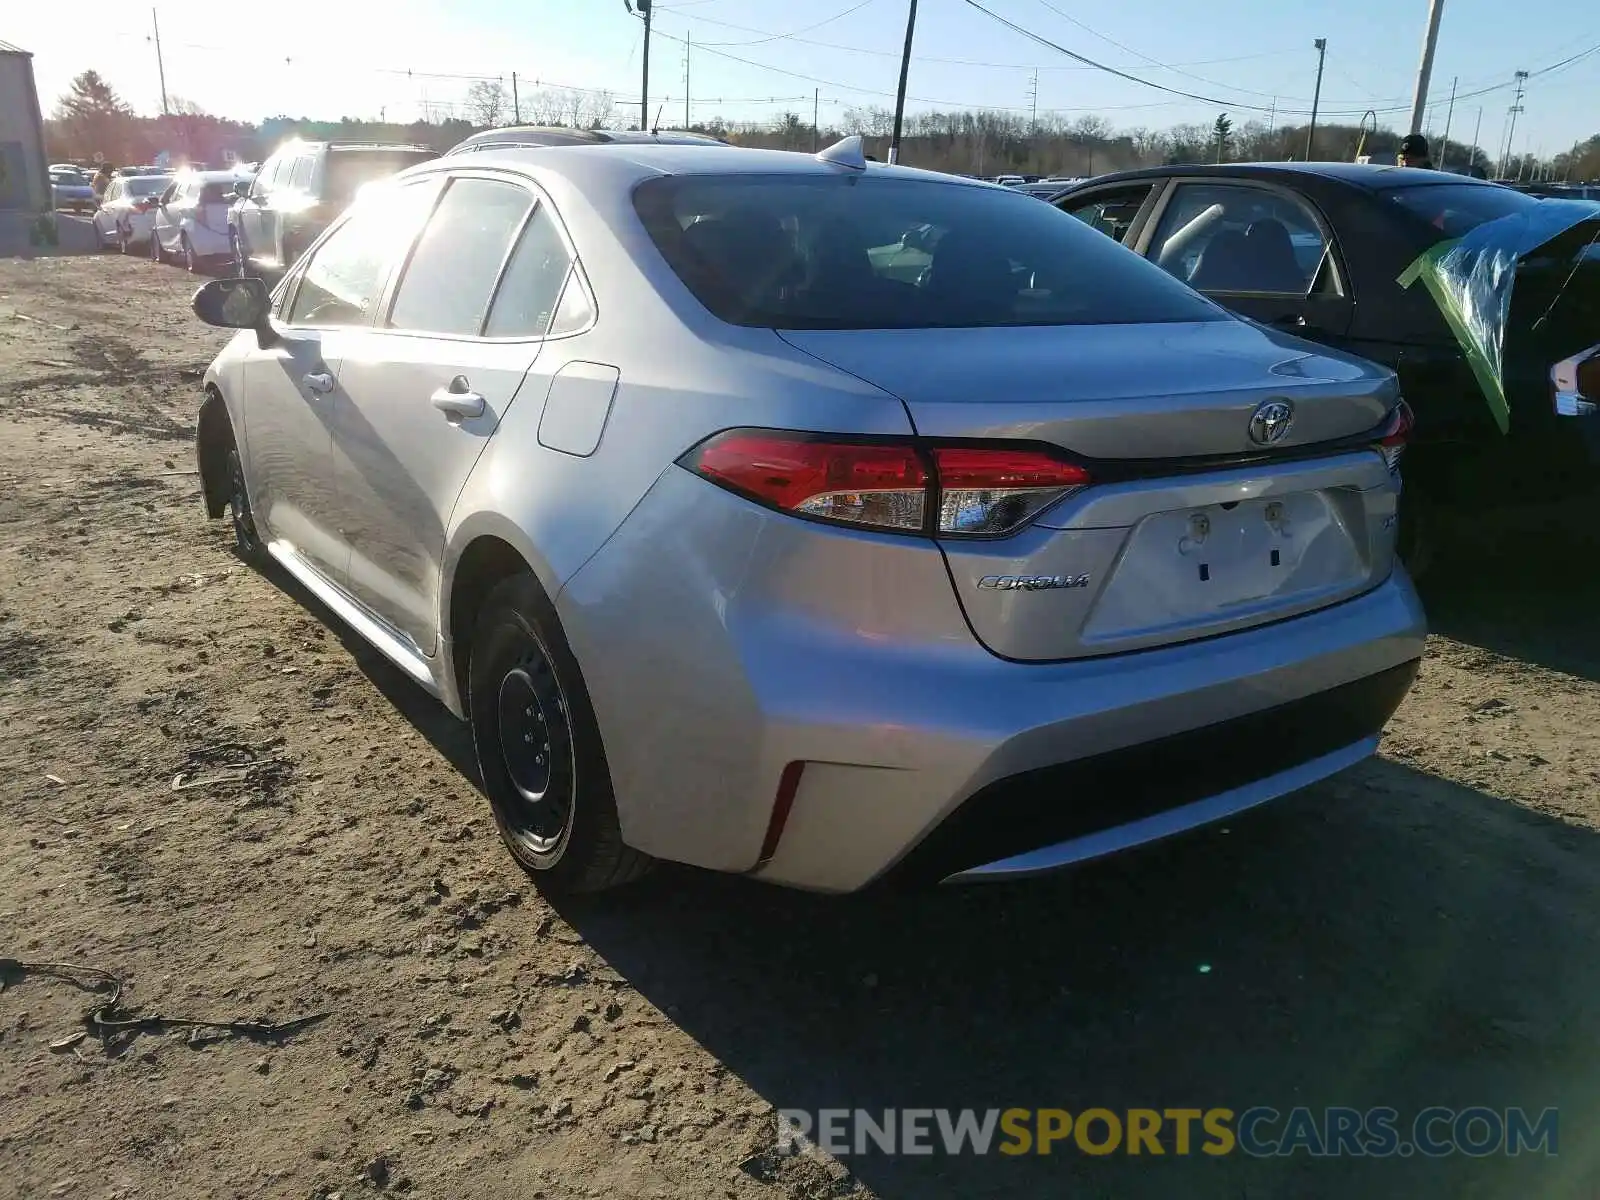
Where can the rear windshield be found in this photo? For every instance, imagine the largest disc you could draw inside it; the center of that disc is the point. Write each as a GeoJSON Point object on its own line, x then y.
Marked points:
{"type": "Point", "coordinates": [866, 252]}
{"type": "Point", "coordinates": [1455, 208]}
{"type": "Point", "coordinates": [217, 193]}
{"type": "Point", "coordinates": [144, 185]}
{"type": "Point", "coordinates": [351, 170]}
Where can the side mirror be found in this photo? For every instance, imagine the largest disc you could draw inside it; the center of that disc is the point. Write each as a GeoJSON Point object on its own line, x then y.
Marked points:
{"type": "Point", "coordinates": [1576, 384]}
{"type": "Point", "coordinates": [237, 304]}
{"type": "Point", "coordinates": [241, 189]}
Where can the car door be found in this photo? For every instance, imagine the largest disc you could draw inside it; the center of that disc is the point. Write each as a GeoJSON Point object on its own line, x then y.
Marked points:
{"type": "Point", "coordinates": [247, 213]}
{"type": "Point", "coordinates": [1263, 250]}
{"type": "Point", "coordinates": [105, 217]}
{"type": "Point", "coordinates": [1116, 210]}
{"type": "Point", "coordinates": [427, 387]}
{"type": "Point", "coordinates": [292, 392]}
{"type": "Point", "coordinates": [161, 219]}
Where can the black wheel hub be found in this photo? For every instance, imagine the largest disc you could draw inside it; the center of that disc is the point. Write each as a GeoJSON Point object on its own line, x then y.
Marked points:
{"type": "Point", "coordinates": [535, 744]}
{"type": "Point", "coordinates": [244, 526]}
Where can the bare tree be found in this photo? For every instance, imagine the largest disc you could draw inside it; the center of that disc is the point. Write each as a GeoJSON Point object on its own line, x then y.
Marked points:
{"type": "Point", "coordinates": [597, 109]}
{"type": "Point", "coordinates": [487, 102]}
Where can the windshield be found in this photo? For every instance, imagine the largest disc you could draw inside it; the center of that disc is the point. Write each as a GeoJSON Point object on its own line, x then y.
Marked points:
{"type": "Point", "coordinates": [70, 178]}
{"type": "Point", "coordinates": [858, 252]}
{"type": "Point", "coordinates": [1455, 208]}
{"type": "Point", "coordinates": [144, 185]}
{"type": "Point", "coordinates": [349, 170]}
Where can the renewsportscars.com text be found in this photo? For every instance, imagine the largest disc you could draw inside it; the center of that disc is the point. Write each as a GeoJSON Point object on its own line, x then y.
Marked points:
{"type": "Point", "coordinates": [1260, 1131]}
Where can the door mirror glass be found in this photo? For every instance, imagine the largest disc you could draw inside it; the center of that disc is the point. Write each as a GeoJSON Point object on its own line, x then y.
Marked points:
{"type": "Point", "coordinates": [1576, 383]}
{"type": "Point", "coordinates": [233, 303]}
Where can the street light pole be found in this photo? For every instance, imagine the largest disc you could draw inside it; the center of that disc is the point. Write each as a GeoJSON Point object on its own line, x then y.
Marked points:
{"type": "Point", "coordinates": [900, 93]}
{"type": "Point", "coordinates": [1316, 97]}
{"type": "Point", "coordinates": [1449, 114]}
{"type": "Point", "coordinates": [1425, 71]}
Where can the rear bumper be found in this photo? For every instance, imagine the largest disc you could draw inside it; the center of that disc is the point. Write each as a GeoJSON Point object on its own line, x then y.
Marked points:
{"type": "Point", "coordinates": [1056, 816]}
{"type": "Point", "coordinates": [717, 660]}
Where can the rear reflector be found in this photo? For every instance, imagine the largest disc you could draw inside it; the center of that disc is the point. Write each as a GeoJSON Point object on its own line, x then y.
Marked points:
{"type": "Point", "coordinates": [889, 485]}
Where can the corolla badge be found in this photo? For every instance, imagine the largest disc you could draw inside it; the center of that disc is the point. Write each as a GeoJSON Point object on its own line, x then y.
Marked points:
{"type": "Point", "coordinates": [1271, 422]}
{"type": "Point", "coordinates": [1032, 583]}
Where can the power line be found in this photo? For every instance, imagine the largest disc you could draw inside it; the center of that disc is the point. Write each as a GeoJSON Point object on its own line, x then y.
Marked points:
{"type": "Point", "coordinates": [1161, 87]}
{"type": "Point", "coordinates": [795, 33]}
{"type": "Point", "coordinates": [955, 62]}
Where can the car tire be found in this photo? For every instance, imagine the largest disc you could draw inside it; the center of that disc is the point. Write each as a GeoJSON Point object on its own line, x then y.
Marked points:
{"type": "Point", "coordinates": [1417, 539]}
{"type": "Point", "coordinates": [246, 540]}
{"type": "Point", "coordinates": [191, 260]}
{"type": "Point", "coordinates": [539, 748]}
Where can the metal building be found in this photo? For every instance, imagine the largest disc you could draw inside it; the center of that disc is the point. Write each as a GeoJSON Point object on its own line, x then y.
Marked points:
{"type": "Point", "coordinates": [24, 175]}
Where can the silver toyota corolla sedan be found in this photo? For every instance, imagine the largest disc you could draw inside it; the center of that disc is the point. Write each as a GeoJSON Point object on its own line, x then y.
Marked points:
{"type": "Point", "coordinates": [813, 519]}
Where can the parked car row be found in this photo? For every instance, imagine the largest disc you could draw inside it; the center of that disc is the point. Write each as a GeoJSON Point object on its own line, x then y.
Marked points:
{"type": "Point", "coordinates": [1319, 249]}
{"type": "Point", "coordinates": [820, 520]}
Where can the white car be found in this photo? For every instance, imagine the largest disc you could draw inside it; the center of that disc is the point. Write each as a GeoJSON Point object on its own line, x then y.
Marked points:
{"type": "Point", "coordinates": [126, 211]}
{"type": "Point", "coordinates": [191, 218]}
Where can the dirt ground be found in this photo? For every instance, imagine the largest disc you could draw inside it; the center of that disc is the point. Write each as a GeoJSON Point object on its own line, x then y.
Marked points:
{"type": "Point", "coordinates": [212, 790]}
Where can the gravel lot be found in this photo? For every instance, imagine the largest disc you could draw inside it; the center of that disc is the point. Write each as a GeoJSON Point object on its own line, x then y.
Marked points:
{"type": "Point", "coordinates": [214, 791]}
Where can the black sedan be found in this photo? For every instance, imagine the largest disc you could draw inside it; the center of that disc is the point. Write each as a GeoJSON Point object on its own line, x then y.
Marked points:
{"type": "Point", "coordinates": [1319, 248]}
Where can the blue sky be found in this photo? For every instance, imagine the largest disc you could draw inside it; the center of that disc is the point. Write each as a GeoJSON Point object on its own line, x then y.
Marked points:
{"type": "Point", "coordinates": [332, 58]}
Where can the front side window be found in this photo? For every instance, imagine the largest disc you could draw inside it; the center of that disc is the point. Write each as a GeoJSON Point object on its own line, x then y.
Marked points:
{"type": "Point", "coordinates": [300, 178]}
{"type": "Point", "coordinates": [869, 252]}
{"type": "Point", "coordinates": [344, 279]}
{"type": "Point", "coordinates": [268, 178]}
{"type": "Point", "coordinates": [1236, 238]}
{"type": "Point", "coordinates": [450, 279]}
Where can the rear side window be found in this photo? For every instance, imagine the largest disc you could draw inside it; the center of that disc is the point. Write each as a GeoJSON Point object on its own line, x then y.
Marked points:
{"type": "Point", "coordinates": [526, 301]}
{"type": "Point", "coordinates": [869, 252]}
{"type": "Point", "coordinates": [1112, 213]}
{"type": "Point", "coordinates": [450, 279]}
{"type": "Point", "coordinates": [1453, 209]}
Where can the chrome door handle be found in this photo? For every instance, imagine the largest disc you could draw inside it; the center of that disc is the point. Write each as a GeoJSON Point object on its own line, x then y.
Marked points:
{"type": "Point", "coordinates": [458, 403]}
{"type": "Point", "coordinates": [320, 382]}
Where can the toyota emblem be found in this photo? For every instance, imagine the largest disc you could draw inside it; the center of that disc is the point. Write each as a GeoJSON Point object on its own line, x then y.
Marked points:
{"type": "Point", "coordinates": [1271, 421]}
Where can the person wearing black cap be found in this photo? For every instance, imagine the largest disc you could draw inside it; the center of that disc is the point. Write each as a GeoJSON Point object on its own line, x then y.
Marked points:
{"type": "Point", "coordinates": [1414, 152]}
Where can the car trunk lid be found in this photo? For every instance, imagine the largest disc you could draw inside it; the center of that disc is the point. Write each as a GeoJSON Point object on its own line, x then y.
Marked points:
{"type": "Point", "coordinates": [1191, 526]}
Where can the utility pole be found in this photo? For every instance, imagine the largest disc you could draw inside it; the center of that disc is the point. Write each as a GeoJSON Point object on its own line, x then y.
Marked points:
{"type": "Point", "coordinates": [161, 67]}
{"type": "Point", "coordinates": [816, 119]}
{"type": "Point", "coordinates": [1316, 97]}
{"type": "Point", "coordinates": [1449, 113]}
{"type": "Point", "coordinates": [1033, 96]}
{"type": "Point", "coordinates": [1516, 107]}
{"type": "Point", "coordinates": [516, 101]}
{"type": "Point", "coordinates": [643, 8]}
{"type": "Point", "coordinates": [1272, 120]}
{"type": "Point", "coordinates": [686, 81]}
{"type": "Point", "coordinates": [1425, 71]}
{"type": "Point", "coordinates": [1472, 155]}
{"type": "Point", "coordinates": [900, 93]}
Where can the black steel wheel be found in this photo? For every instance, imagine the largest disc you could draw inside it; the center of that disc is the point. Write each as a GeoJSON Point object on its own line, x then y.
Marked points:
{"type": "Point", "coordinates": [245, 538]}
{"type": "Point", "coordinates": [539, 748]}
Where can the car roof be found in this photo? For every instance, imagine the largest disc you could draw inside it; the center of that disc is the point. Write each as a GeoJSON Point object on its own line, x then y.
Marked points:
{"type": "Point", "coordinates": [1369, 176]}
{"type": "Point", "coordinates": [557, 135]}
{"type": "Point", "coordinates": [624, 164]}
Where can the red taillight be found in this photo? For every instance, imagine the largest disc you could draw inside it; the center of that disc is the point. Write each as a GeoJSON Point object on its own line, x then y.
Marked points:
{"type": "Point", "coordinates": [889, 485]}
{"type": "Point", "coordinates": [1392, 442]}
{"type": "Point", "coordinates": [996, 491]}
